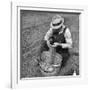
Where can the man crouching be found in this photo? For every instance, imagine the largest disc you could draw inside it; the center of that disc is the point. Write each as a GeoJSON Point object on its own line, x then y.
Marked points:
{"type": "Point", "coordinates": [59, 37]}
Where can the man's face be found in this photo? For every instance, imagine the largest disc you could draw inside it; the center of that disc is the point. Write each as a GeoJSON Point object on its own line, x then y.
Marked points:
{"type": "Point", "coordinates": [57, 30]}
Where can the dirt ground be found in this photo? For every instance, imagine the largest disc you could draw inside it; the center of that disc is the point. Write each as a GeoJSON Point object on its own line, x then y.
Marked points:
{"type": "Point", "coordinates": [34, 25]}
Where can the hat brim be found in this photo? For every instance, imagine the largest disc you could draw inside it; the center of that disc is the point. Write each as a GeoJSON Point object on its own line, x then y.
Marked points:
{"type": "Point", "coordinates": [58, 26]}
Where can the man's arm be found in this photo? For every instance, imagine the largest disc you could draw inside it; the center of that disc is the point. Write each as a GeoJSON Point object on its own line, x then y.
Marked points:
{"type": "Point", "coordinates": [47, 36]}
{"type": "Point", "coordinates": [68, 38]}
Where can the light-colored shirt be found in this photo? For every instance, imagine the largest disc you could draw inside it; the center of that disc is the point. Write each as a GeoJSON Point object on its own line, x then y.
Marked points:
{"type": "Point", "coordinates": [67, 35]}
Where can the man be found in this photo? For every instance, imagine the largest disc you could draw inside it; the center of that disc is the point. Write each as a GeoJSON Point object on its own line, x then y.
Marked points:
{"type": "Point", "coordinates": [59, 37]}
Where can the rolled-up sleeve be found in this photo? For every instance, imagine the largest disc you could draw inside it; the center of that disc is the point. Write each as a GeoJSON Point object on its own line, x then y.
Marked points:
{"type": "Point", "coordinates": [68, 36]}
{"type": "Point", "coordinates": [48, 34]}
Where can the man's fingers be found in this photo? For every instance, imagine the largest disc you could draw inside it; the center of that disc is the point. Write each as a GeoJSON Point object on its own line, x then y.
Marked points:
{"type": "Point", "coordinates": [53, 45]}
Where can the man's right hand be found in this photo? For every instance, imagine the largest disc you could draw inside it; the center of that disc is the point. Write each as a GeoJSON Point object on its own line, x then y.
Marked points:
{"type": "Point", "coordinates": [56, 44]}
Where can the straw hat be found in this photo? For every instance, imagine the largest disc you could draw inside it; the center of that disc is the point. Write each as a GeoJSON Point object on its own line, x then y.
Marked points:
{"type": "Point", "coordinates": [57, 22]}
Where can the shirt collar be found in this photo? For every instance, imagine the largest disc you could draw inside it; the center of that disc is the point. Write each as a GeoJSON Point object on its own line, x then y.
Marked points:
{"type": "Point", "coordinates": [61, 30]}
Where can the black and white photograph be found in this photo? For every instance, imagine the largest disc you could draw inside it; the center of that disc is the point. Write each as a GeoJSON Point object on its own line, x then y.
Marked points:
{"type": "Point", "coordinates": [45, 45]}
{"type": "Point", "coordinates": [49, 44]}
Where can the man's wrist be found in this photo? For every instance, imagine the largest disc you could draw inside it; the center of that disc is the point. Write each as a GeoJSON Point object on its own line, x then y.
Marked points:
{"type": "Point", "coordinates": [66, 45]}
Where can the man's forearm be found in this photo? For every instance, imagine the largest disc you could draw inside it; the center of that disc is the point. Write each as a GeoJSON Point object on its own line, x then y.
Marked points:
{"type": "Point", "coordinates": [66, 45]}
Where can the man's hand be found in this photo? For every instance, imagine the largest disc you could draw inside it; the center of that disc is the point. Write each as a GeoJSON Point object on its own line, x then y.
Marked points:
{"type": "Point", "coordinates": [55, 44]}
{"type": "Point", "coordinates": [66, 45]}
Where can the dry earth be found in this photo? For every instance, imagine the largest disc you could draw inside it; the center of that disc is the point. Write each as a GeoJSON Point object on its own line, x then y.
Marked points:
{"type": "Point", "coordinates": [34, 25]}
